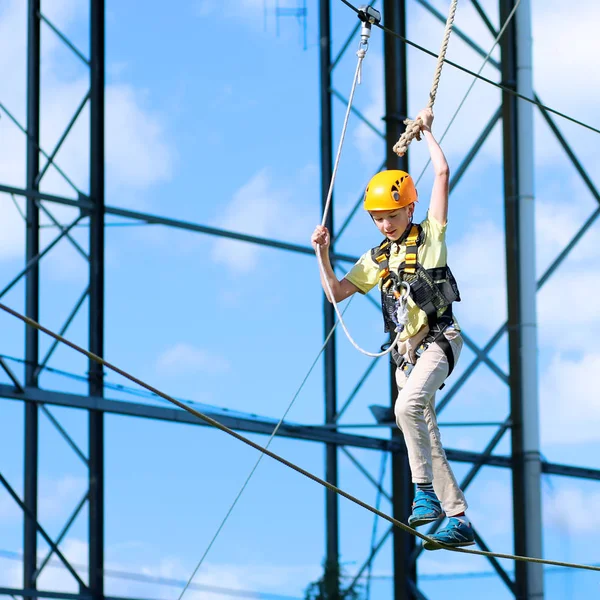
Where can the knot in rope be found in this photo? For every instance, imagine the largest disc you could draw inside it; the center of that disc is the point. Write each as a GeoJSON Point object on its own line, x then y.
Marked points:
{"type": "Point", "coordinates": [413, 131]}
{"type": "Point", "coordinates": [361, 53]}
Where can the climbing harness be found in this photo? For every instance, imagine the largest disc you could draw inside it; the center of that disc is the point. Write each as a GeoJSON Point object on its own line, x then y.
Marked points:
{"type": "Point", "coordinates": [432, 290]}
{"type": "Point", "coordinates": [210, 421]}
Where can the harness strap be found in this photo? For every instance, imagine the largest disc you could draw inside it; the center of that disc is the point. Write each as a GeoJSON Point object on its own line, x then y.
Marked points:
{"type": "Point", "coordinates": [442, 341]}
{"type": "Point", "coordinates": [412, 243]}
{"type": "Point", "coordinates": [437, 326]}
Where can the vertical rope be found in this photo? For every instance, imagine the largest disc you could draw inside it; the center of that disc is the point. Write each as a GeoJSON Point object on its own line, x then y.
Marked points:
{"type": "Point", "coordinates": [413, 128]}
{"type": "Point", "coordinates": [357, 75]}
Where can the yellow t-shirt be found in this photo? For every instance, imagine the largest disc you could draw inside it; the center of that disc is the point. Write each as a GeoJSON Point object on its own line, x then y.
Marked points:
{"type": "Point", "coordinates": [432, 253]}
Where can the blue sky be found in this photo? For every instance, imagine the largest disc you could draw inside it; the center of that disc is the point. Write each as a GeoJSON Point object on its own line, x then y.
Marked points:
{"type": "Point", "coordinates": [213, 118]}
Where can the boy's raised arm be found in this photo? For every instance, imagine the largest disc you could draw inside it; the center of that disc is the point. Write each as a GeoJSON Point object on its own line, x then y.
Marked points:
{"type": "Point", "coordinates": [438, 205]}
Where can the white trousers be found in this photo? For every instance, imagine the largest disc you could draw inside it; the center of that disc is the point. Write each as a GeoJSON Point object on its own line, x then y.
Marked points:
{"type": "Point", "coordinates": [415, 416]}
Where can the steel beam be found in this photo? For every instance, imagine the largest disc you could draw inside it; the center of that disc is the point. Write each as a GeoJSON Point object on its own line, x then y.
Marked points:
{"type": "Point", "coordinates": [254, 424]}
{"type": "Point", "coordinates": [521, 297]}
{"type": "Point", "coordinates": [32, 295]}
{"type": "Point", "coordinates": [96, 302]}
{"type": "Point", "coordinates": [331, 576]}
{"type": "Point", "coordinates": [396, 110]}
{"type": "Point", "coordinates": [86, 207]}
{"type": "Point", "coordinates": [485, 18]}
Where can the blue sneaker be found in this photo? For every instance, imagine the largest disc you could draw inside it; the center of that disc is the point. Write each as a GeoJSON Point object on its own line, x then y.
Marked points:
{"type": "Point", "coordinates": [426, 508]}
{"type": "Point", "coordinates": [456, 534]}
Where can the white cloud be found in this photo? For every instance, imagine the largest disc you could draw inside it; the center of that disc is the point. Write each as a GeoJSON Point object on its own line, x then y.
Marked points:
{"type": "Point", "coordinates": [136, 148]}
{"type": "Point", "coordinates": [569, 508]}
{"type": "Point", "coordinates": [186, 358]}
{"type": "Point", "coordinates": [249, 577]}
{"type": "Point", "coordinates": [555, 25]}
{"type": "Point", "coordinates": [57, 497]}
{"type": "Point", "coordinates": [262, 208]}
{"type": "Point", "coordinates": [138, 153]}
{"type": "Point", "coordinates": [566, 309]}
{"type": "Point", "coordinates": [255, 209]}
{"type": "Point", "coordinates": [9, 509]}
{"type": "Point", "coordinates": [480, 273]}
{"type": "Point", "coordinates": [569, 402]}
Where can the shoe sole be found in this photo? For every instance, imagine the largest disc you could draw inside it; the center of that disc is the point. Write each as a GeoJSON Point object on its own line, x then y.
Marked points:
{"type": "Point", "coordinates": [428, 546]}
{"type": "Point", "coordinates": [423, 521]}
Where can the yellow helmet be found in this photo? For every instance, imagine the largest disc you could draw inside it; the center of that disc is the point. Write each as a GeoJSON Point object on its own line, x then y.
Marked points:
{"type": "Point", "coordinates": [389, 190]}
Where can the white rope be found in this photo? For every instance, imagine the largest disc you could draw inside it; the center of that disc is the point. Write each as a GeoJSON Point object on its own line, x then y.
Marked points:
{"type": "Point", "coordinates": [357, 75]}
{"type": "Point", "coordinates": [361, 53]}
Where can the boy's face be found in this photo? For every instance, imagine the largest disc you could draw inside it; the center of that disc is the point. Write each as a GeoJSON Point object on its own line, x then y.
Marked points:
{"type": "Point", "coordinates": [393, 223]}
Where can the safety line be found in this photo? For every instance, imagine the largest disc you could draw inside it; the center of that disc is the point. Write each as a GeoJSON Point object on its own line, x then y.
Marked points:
{"type": "Point", "coordinates": [477, 76]}
{"type": "Point", "coordinates": [247, 481]}
{"type": "Point", "coordinates": [319, 251]}
{"type": "Point", "coordinates": [286, 462]}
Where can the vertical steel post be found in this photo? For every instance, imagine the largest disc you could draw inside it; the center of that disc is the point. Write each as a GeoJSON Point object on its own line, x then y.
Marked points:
{"type": "Point", "coordinates": [331, 457]}
{"type": "Point", "coordinates": [521, 293]}
{"type": "Point", "coordinates": [96, 313]}
{"type": "Point", "coordinates": [396, 110]}
{"type": "Point", "coordinates": [32, 292]}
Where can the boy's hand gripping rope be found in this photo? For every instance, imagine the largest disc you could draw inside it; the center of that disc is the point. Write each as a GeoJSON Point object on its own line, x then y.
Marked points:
{"type": "Point", "coordinates": [413, 128]}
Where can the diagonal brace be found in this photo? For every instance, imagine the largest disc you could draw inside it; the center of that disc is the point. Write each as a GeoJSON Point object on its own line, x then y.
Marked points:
{"type": "Point", "coordinates": [63, 330]}
{"type": "Point", "coordinates": [62, 535]}
{"type": "Point", "coordinates": [12, 376]}
{"type": "Point", "coordinates": [63, 137]}
{"type": "Point", "coordinates": [43, 533]}
{"type": "Point", "coordinates": [366, 473]}
{"type": "Point", "coordinates": [358, 113]}
{"type": "Point", "coordinates": [37, 258]}
{"type": "Point", "coordinates": [61, 227]}
{"type": "Point", "coordinates": [64, 434]}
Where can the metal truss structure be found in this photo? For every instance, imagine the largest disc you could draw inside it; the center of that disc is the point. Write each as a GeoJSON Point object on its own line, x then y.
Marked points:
{"type": "Point", "coordinates": [525, 461]}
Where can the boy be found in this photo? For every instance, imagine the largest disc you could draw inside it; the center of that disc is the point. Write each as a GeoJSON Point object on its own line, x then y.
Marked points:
{"type": "Point", "coordinates": [429, 342]}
